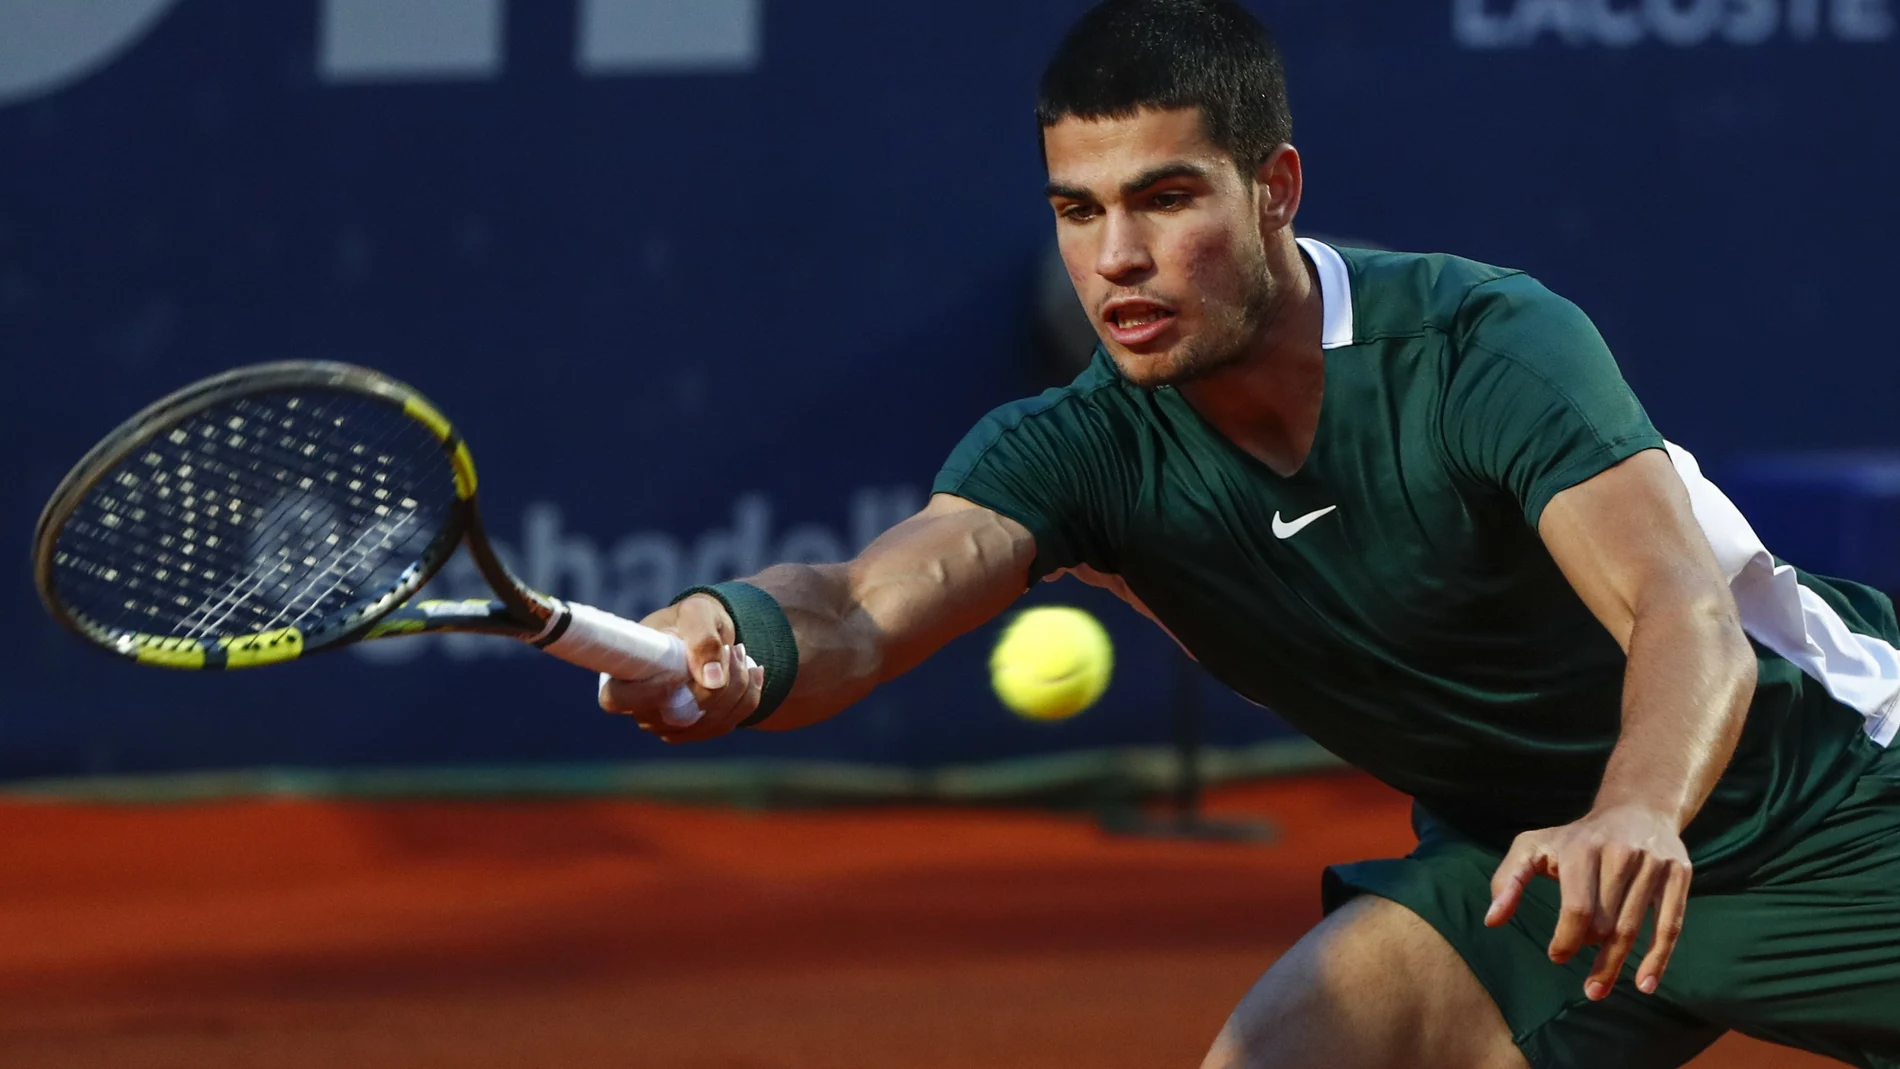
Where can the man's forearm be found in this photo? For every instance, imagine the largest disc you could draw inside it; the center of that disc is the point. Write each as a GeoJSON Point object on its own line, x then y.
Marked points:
{"type": "Point", "coordinates": [839, 653]}
{"type": "Point", "coordinates": [926, 581]}
{"type": "Point", "coordinates": [1686, 691]}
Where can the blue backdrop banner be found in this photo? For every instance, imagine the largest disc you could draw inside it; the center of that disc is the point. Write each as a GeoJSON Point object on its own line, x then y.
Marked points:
{"type": "Point", "coordinates": [710, 285]}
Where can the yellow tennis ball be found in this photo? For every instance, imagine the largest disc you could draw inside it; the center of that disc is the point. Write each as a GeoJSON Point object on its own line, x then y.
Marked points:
{"type": "Point", "coordinates": [1052, 662]}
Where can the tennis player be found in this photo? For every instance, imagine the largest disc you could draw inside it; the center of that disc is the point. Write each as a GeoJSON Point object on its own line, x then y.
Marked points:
{"type": "Point", "coordinates": [1408, 502]}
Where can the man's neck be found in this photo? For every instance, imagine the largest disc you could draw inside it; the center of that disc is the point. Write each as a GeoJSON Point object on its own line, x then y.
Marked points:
{"type": "Point", "coordinates": [1269, 403]}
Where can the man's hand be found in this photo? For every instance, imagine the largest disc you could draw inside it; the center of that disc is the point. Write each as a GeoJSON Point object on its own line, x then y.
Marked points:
{"type": "Point", "coordinates": [1613, 866]}
{"type": "Point", "coordinates": [725, 682]}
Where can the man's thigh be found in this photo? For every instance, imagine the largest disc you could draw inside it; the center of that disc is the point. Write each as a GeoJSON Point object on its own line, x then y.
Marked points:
{"type": "Point", "coordinates": [1809, 953]}
{"type": "Point", "coordinates": [1447, 883]}
{"type": "Point", "coordinates": [1372, 987]}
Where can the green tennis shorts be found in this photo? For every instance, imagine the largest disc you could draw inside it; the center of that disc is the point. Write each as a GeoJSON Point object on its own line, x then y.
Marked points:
{"type": "Point", "coordinates": [1806, 954]}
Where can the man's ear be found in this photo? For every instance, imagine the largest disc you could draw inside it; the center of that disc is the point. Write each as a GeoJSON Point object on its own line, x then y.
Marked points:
{"type": "Point", "coordinates": [1280, 182]}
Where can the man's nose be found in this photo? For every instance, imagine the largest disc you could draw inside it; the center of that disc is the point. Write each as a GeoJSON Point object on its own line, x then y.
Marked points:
{"type": "Point", "coordinates": [1124, 253]}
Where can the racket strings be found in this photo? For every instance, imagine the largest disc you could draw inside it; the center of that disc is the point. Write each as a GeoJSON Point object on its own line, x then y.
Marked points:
{"type": "Point", "coordinates": [262, 512]}
{"type": "Point", "coordinates": [215, 610]}
{"type": "Point", "coordinates": [252, 563]}
{"type": "Point", "coordinates": [193, 456]}
{"type": "Point", "coordinates": [282, 548]}
{"type": "Point", "coordinates": [385, 534]}
{"type": "Point", "coordinates": [281, 533]}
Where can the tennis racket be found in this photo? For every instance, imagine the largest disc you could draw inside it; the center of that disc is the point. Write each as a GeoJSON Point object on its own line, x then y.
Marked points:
{"type": "Point", "coordinates": [270, 512]}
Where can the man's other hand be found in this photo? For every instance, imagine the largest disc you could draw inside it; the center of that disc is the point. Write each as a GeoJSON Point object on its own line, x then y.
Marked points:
{"type": "Point", "coordinates": [1614, 867]}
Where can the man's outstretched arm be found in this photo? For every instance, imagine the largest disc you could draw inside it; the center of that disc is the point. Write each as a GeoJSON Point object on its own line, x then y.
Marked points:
{"type": "Point", "coordinates": [935, 576]}
{"type": "Point", "coordinates": [1629, 543]}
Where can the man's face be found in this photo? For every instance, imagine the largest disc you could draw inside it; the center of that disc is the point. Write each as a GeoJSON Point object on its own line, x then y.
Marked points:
{"type": "Point", "coordinates": [1161, 235]}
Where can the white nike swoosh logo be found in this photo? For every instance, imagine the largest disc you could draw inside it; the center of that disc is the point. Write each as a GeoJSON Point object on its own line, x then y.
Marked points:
{"type": "Point", "coordinates": [1283, 530]}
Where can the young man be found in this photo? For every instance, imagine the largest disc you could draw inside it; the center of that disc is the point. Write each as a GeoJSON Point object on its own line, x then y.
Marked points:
{"type": "Point", "coordinates": [1409, 503]}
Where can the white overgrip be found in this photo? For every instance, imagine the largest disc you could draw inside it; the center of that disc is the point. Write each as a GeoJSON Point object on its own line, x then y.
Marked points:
{"type": "Point", "coordinates": [618, 648]}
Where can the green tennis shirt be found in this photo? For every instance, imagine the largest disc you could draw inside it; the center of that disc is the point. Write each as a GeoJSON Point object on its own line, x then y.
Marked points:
{"type": "Point", "coordinates": [1392, 599]}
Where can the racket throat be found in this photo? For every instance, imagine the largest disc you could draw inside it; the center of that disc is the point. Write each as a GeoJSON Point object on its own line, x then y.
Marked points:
{"type": "Point", "coordinates": [546, 616]}
{"type": "Point", "coordinates": [558, 623]}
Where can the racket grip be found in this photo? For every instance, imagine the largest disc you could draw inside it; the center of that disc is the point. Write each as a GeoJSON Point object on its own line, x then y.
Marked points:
{"type": "Point", "coordinates": [618, 648]}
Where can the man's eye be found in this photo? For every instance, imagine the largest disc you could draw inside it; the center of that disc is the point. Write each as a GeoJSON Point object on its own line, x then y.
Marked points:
{"type": "Point", "coordinates": [1169, 202]}
{"type": "Point", "coordinates": [1077, 213]}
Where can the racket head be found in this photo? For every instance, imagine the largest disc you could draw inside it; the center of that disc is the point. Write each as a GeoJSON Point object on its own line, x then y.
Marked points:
{"type": "Point", "coordinates": [255, 516]}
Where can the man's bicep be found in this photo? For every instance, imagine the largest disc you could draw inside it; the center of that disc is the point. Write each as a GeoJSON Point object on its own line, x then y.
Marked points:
{"type": "Point", "coordinates": [1627, 539]}
{"type": "Point", "coordinates": [943, 572]}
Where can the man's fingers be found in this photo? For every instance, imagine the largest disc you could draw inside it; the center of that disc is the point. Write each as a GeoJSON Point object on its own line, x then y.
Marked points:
{"type": "Point", "coordinates": [658, 707]}
{"type": "Point", "coordinates": [1632, 905]}
{"type": "Point", "coordinates": [1507, 884]}
{"type": "Point", "coordinates": [1577, 877]}
{"type": "Point", "coordinates": [1618, 866]}
{"type": "Point", "coordinates": [1611, 869]}
{"type": "Point", "coordinates": [726, 707]}
{"type": "Point", "coordinates": [747, 688]}
{"type": "Point", "coordinates": [720, 702]}
{"type": "Point", "coordinates": [702, 624]}
{"type": "Point", "coordinates": [716, 671]}
{"type": "Point", "coordinates": [633, 696]}
{"type": "Point", "coordinates": [682, 709]}
{"type": "Point", "coordinates": [724, 683]}
{"type": "Point", "coordinates": [1669, 919]}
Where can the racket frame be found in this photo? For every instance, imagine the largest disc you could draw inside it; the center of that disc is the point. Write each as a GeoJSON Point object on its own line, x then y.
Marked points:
{"type": "Point", "coordinates": [518, 612]}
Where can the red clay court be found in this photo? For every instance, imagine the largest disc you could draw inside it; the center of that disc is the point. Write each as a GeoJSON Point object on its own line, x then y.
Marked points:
{"type": "Point", "coordinates": [619, 933]}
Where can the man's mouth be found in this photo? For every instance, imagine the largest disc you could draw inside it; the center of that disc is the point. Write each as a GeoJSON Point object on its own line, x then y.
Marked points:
{"type": "Point", "coordinates": [1135, 322]}
{"type": "Point", "coordinates": [1129, 319]}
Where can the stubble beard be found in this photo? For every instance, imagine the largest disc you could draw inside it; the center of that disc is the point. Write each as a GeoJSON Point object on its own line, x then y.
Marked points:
{"type": "Point", "coordinates": [1226, 341]}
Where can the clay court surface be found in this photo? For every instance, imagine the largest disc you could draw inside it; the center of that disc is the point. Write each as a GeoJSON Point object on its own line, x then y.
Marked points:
{"type": "Point", "coordinates": [614, 933]}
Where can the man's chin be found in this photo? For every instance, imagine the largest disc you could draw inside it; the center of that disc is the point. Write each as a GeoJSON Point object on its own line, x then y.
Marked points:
{"type": "Point", "coordinates": [1148, 377]}
{"type": "Point", "coordinates": [1174, 366]}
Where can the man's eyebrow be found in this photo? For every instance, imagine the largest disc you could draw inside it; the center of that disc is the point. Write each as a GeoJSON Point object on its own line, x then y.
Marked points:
{"type": "Point", "coordinates": [1134, 185]}
{"type": "Point", "coordinates": [1162, 174]}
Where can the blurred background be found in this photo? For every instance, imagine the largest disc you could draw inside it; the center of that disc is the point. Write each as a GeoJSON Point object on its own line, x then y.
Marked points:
{"type": "Point", "coordinates": [715, 283]}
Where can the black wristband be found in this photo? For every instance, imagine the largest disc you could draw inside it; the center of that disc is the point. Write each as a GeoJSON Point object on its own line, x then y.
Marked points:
{"type": "Point", "coordinates": [759, 623]}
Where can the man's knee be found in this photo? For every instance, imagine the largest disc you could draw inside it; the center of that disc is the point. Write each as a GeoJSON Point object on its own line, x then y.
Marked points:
{"type": "Point", "coordinates": [1373, 986]}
